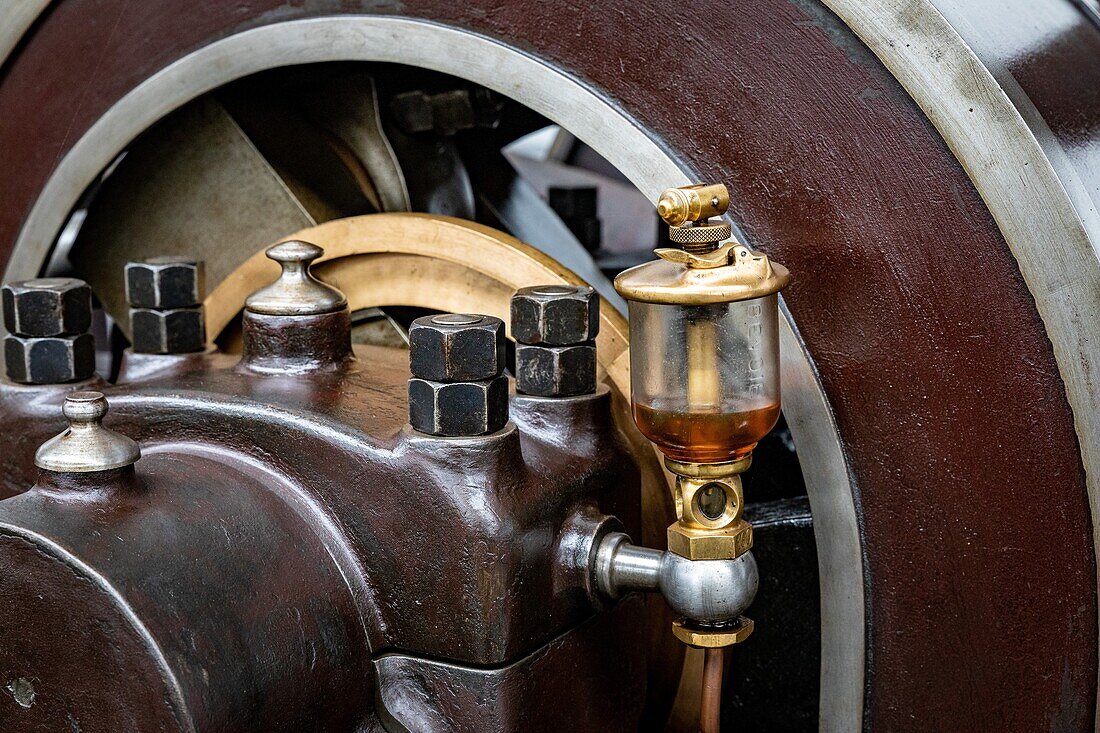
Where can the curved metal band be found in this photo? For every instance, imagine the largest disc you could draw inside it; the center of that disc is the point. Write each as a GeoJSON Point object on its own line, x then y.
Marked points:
{"type": "Point", "coordinates": [1054, 242]}
{"type": "Point", "coordinates": [19, 16]}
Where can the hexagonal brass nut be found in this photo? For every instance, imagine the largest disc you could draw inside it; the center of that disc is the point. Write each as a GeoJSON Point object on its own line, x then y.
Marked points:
{"type": "Point", "coordinates": [712, 638]}
{"type": "Point", "coordinates": [165, 282]}
{"type": "Point", "coordinates": [454, 347]}
{"type": "Point", "coordinates": [176, 331]}
{"type": "Point", "coordinates": [556, 371]}
{"type": "Point", "coordinates": [710, 544]}
{"type": "Point", "coordinates": [52, 306]}
{"type": "Point", "coordinates": [555, 315]}
{"type": "Point", "coordinates": [49, 359]}
{"type": "Point", "coordinates": [458, 409]}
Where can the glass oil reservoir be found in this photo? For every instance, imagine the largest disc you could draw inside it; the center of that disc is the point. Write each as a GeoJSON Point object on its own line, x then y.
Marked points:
{"type": "Point", "coordinates": [706, 377]}
{"type": "Point", "coordinates": [704, 355]}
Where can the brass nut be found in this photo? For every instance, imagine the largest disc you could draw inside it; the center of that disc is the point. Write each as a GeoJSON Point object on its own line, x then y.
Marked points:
{"type": "Point", "coordinates": [712, 638]}
{"type": "Point", "coordinates": [710, 544]}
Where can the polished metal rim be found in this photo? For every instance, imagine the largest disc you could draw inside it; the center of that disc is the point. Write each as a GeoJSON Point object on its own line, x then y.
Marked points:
{"type": "Point", "coordinates": [1022, 174]}
{"type": "Point", "coordinates": [592, 118]}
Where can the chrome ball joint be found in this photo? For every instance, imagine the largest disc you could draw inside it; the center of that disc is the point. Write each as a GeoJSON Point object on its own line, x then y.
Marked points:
{"type": "Point", "coordinates": [704, 591]}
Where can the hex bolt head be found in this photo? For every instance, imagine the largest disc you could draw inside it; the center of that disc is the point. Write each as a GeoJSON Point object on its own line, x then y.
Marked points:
{"type": "Point", "coordinates": [555, 315]}
{"type": "Point", "coordinates": [53, 306]}
{"type": "Point", "coordinates": [556, 371]}
{"type": "Point", "coordinates": [49, 359]}
{"type": "Point", "coordinates": [165, 282]}
{"type": "Point", "coordinates": [460, 409]}
{"type": "Point", "coordinates": [454, 347]}
{"type": "Point", "coordinates": [176, 331]}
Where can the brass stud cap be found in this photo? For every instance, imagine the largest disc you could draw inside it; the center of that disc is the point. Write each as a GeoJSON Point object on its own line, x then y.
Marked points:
{"type": "Point", "coordinates": [86, 445]}
{"type": "Point", "coordinates": [296, 292]}
{"type": "Point", "coordinates": [708, 637]}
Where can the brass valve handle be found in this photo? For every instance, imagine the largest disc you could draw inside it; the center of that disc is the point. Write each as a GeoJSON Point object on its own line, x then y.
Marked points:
{"type": "Point", "coordinates": [688, 210]}
{"type": "Point", "coordinates": [678, 206]}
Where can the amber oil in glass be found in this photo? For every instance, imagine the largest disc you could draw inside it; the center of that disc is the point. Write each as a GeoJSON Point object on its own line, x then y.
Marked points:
{"type": "Point", "coordinates": [706, 437]}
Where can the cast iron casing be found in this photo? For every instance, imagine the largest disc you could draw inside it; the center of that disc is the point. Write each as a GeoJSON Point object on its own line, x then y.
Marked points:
{"type": "Point", "coordinates": [289, 555]}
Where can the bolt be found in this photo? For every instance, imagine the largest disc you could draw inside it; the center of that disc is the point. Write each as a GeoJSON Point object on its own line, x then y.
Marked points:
{"type": "Point", "coordinates": [49, 359]}
{"type": "Point", "coordinates": [555, 315]}
{"type": "Point", "coordinates": [447, 112]}
{"type": "Point", "coordinates": [174, 331]}
{"type": "Point", "coordinates": [556, 371]}
{"type": "Point", "coordinates": [555, 327]}
{"type": "Point", "coordinates": [165, 282]}
{"type": "Point", "coordinates": [456, 347]}
{"type": "Point", "coordinates": [166, 313]}
{"type": "Point", "coordinates": [458, 409]}
{"type": "Point", "coordinates": [456, 361]}
{"type": "Point", "coordinates": [54, 306]}
{"type": "Point", "coordinates": [47, 320]}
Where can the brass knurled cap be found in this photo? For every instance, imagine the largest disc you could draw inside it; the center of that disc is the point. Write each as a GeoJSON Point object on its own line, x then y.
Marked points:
{"type": "Point", "coordinates": [700, 233]}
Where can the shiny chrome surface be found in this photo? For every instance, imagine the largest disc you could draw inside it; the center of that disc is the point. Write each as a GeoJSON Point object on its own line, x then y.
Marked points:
{"type": "Point", "coordinates": [622, 567]}
{"type": "Point", "coordinates": [296, 292]}
{"type": "Point", "coordinates": [86, 445]}
{"type": "Point", "coordinates": [702, 590]}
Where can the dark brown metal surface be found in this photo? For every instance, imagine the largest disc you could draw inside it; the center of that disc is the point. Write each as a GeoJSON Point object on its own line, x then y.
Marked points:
{"type": "Point", "coordinates": [426, 696]}
{"type": "Point", "coordinates": [297, 342]}
{"type": "Point", "coordinates": [283, 528]}
{"type": "Point", "coordinates": [221, 573]}
{"type": "Point", "coordinates": [970, 487]}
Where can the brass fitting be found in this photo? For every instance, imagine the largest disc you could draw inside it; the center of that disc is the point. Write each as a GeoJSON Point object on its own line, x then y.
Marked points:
{"type": "Point", "coordinates": [710, 544]}
{"type": "Point", "coordinates": [687, 211]}
{"type": "Point", "coordinates": [709, 503]}
{"type": "Point", "coordinates": [710, 637]}
{"type": "Point", "coordinates": [677, 206]}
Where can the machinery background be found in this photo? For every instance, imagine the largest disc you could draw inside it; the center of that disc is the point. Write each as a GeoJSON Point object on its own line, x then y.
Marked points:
{"type": "Point", "coordinates": [944, 293]}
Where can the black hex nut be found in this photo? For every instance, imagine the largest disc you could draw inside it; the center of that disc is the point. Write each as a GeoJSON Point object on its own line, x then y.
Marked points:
{"type": "Point", "coordinates": [459, 409]}
{"type": "Point", "coordinates": [555, 315]}
{"type": "Point", "coordinates": [165, 282]}
{"type": "Point", "coordinates": [52, 306]}
{"type": "Point", "coordinates": [49, 359]}
{"type": "Point", "coordinates": [556, 371]}
{"type": "Point", "coordinates": [176, 331]}
{"type": "Point", "coordinates": [454, 347]}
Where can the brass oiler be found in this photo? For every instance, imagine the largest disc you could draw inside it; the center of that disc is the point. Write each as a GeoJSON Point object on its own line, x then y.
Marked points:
{"type": "Point", "coordinates": [704, 358]}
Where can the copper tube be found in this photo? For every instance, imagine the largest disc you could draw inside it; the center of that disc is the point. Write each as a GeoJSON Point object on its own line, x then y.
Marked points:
{"type": "Point", "coordinates": [711, 705]}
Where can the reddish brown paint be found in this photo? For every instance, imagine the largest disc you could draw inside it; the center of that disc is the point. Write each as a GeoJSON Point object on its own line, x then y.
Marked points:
{"type": "Point", "coordinates": [976, 530]}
